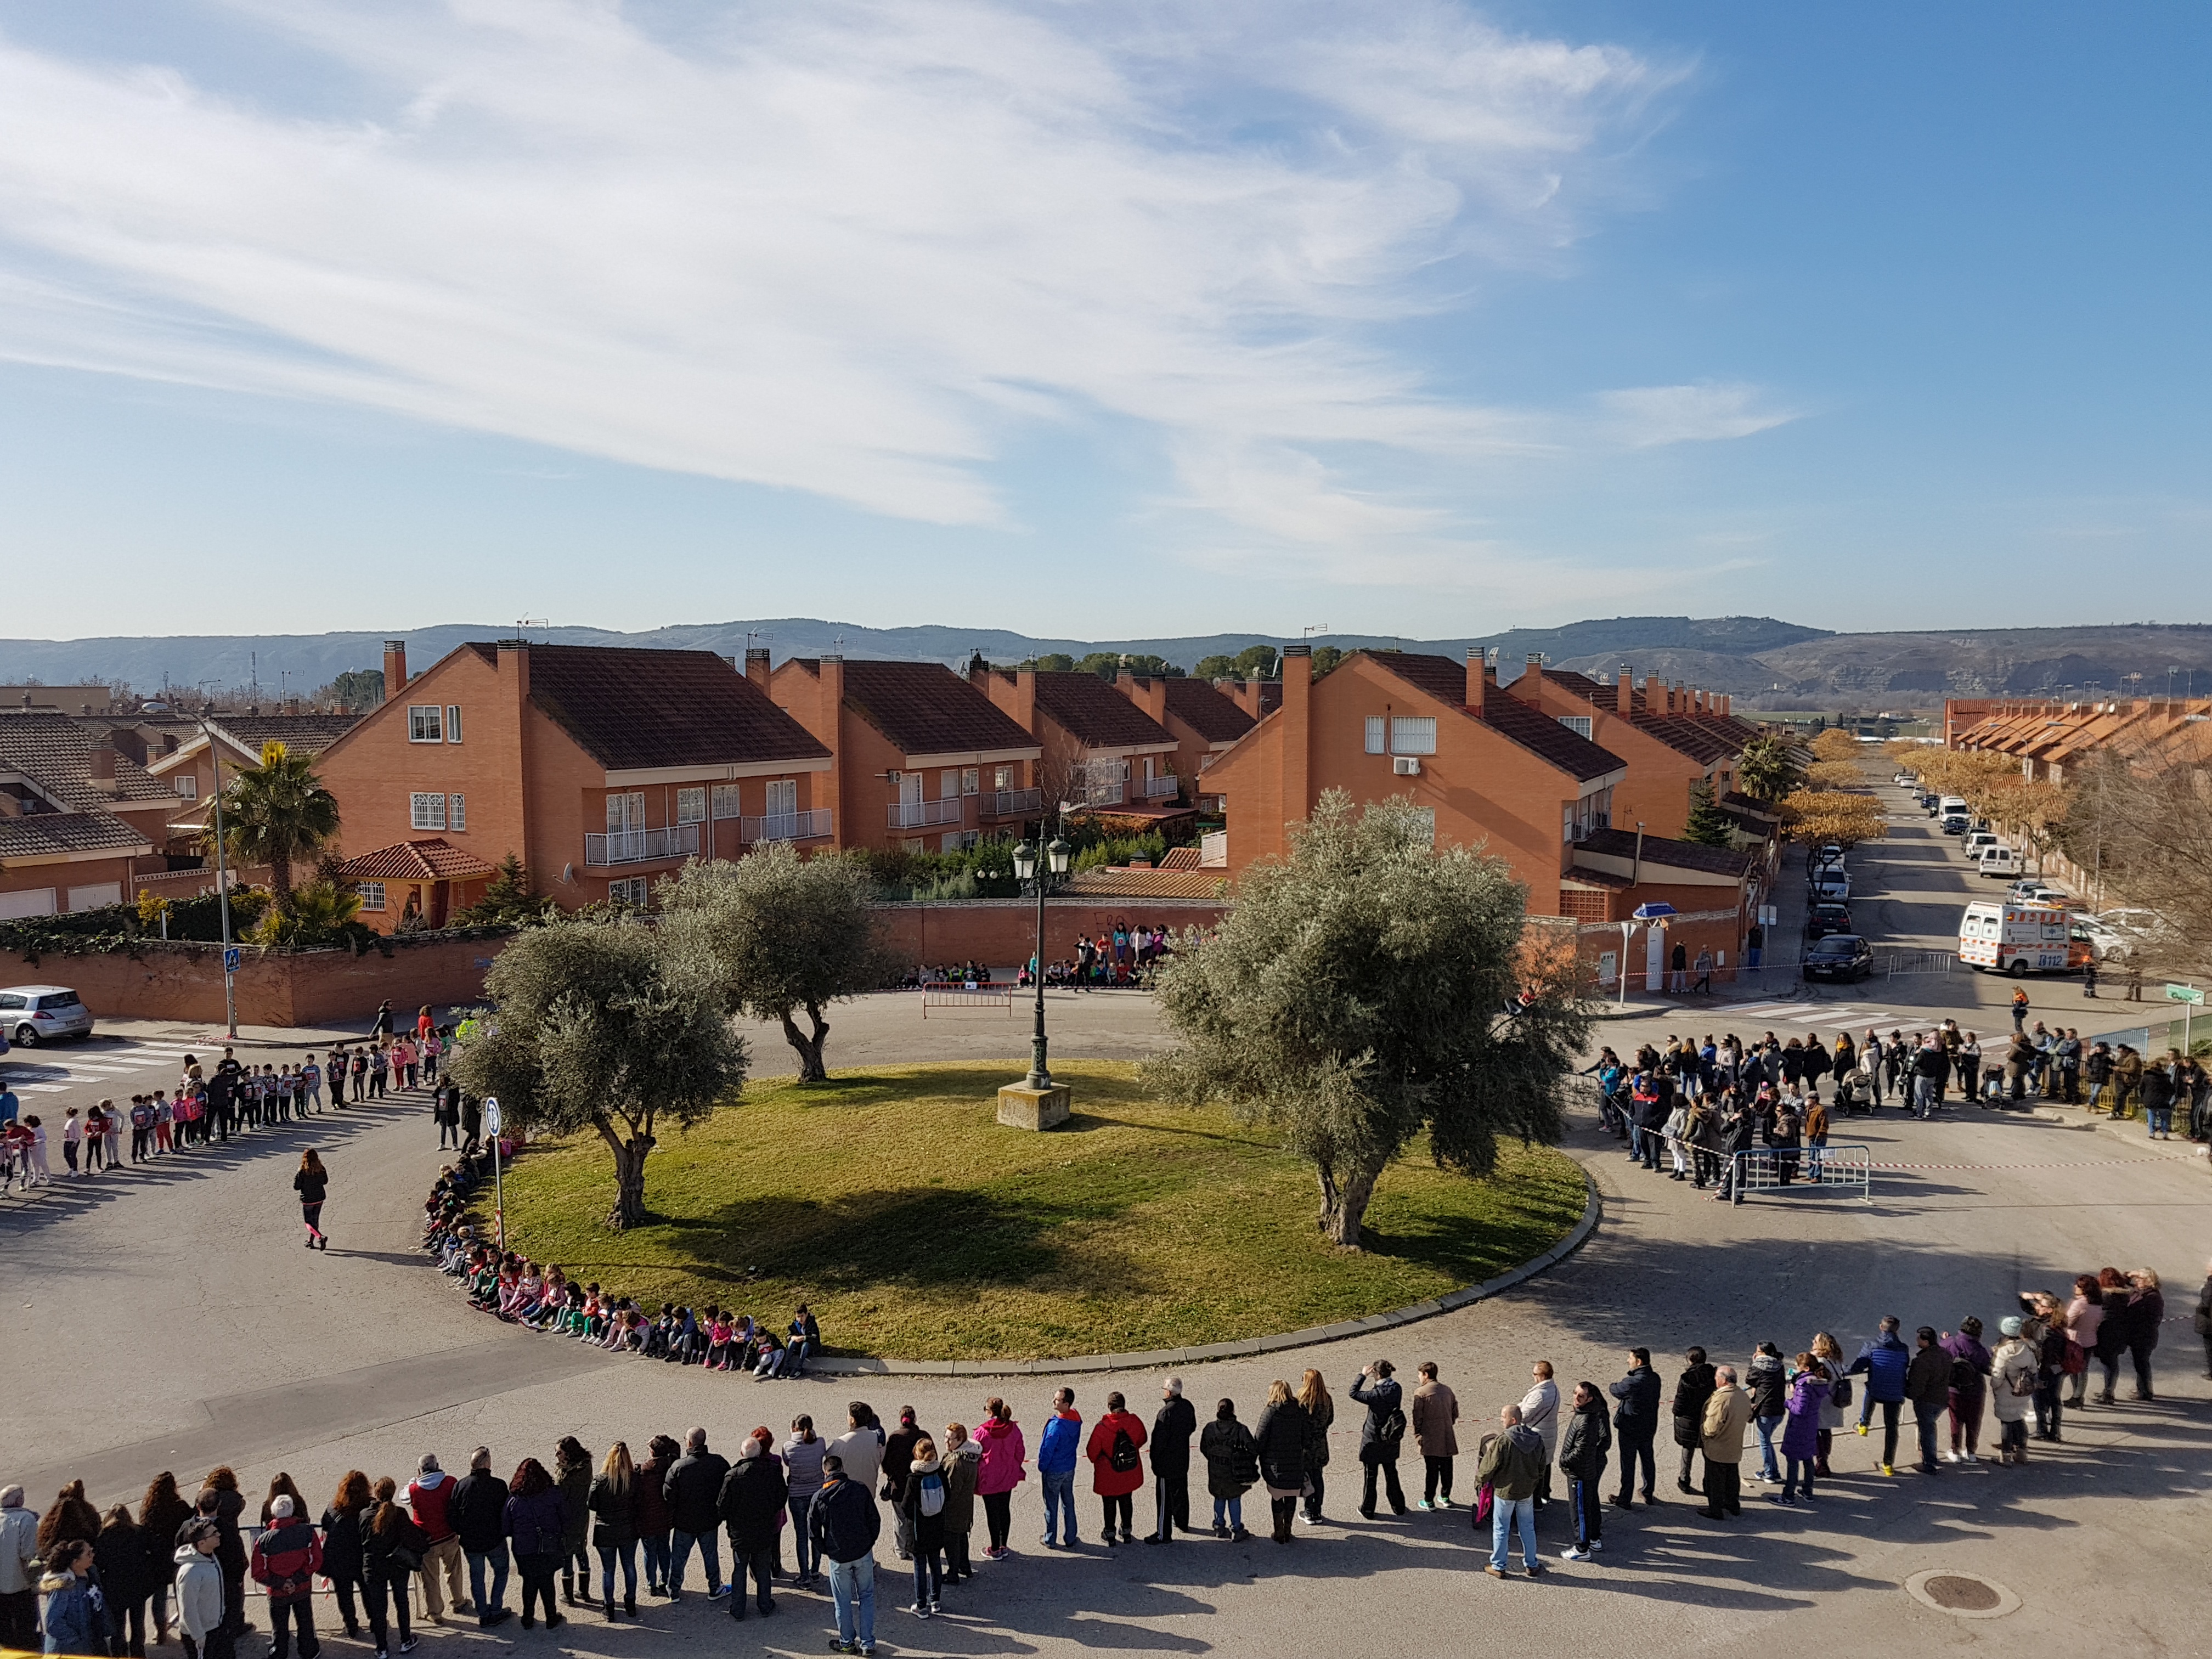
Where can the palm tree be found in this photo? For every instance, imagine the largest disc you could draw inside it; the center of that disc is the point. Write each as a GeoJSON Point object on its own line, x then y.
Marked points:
{"type": "Point", "coordinates": [276, 812]}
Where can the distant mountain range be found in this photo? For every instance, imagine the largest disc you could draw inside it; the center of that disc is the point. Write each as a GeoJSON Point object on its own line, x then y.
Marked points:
{"type": "Point", "coordinates": [1765, 662]}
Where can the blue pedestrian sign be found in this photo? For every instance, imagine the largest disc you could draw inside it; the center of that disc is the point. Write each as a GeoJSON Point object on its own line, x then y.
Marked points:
{"type": "Point", "coordinates": [230, 960]}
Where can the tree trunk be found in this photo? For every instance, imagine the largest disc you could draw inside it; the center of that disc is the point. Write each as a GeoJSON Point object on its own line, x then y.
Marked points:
{"type": "Point", "coordinates": [630, 1156]}
{"type": "Point", "coordinates": [280, 883]}
{"type": "Point", "coordinates": [1345, 1207]}
{"type": "Point", "coordinates": [810, 1069]}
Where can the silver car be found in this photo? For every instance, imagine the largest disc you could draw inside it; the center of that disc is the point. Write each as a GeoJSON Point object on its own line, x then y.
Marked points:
{"type": "Point", "coordinates": [32, 1014]}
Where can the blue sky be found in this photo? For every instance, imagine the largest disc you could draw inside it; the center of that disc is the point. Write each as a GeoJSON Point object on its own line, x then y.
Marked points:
{"type": "Point", "coordinates": [1101, 321]}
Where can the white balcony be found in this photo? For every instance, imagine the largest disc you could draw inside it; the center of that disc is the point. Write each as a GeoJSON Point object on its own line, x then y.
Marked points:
{"type": "Point", "coordinates": [809, 825]}
{"type": "Point", "coordinates": [1007, 803]}
{"type": "Point", "coordinates": [620, 847]}
{"type": "Point", "coordinates": [920, 814]}
{"type": "Point", "coordinates": [1159, 788]}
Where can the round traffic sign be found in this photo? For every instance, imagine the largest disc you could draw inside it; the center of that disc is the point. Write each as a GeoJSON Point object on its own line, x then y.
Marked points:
{"type": "Point", "coordinates": [491, 1115]}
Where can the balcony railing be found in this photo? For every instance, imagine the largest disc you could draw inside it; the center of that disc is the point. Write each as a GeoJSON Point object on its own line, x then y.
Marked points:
{"type": "Point", "coordinates": [1156, 788]}
{"type": "Point", "coordinates": [1102, 792]}
{"type": "Point", "coordinates": [920, 814]}
{"type": "Point", "coordinates": [619, 847]}
{"type": "Point", "coordinates": [809, 825]}
{"type": "Point", "coordinates": [1006, 803]}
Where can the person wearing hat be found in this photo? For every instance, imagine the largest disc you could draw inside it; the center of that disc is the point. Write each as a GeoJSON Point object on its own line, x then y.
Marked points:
{"type": "Point", "coordinates": [2012, 1387]}
{"type": "Point", "coordinates": [286, 1558]}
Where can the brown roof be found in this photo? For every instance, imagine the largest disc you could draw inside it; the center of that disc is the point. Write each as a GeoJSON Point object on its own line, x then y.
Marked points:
{"type": "Point", "coordinates": [1523, 723]}
{"type": "Point", "coordinates": [1206, 711]}
{"type": "Point", "coordinates": [1181, 858]}
{"type": "Point", "coordinates": [50, 834]}
{"type": "Point", "coordinates": [57, 751]}
{"type": "Point", "coordinates": [301, 735]}
{"type": "Point", "coordinates": [1096, 715]}
{"type": "Point", "coordinates": [632, 709]}
{"type": "Point", "coordinates": [925, 708]}
{"type": "Point", "coordinates": [431, 859]}
{"type": "Point", "coordinates": [1149, 884]}
{"type": "Point", "coordinates": [1665, 853]}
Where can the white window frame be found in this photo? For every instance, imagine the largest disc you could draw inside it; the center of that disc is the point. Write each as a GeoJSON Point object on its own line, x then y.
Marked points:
{"type": "Point", "coordinates": [453, 722]}
{"type": "Point", "coordinates": [1580, 725]}
{"type": "Point", "coordinates": [371, 894]}
{"type": "Point", "coordinates": [457, 812]}
{"type": "Point", "coordinates": [426, 723]}
{"type": "Point", "coordinates": [188, 786]}
{"type": "Point", "coordinates": [635, 890]}
{"type": "Point", "coordinates": [1376, 728]}
{"type": "Point", "coordinates": [1002, 778]}
{"type": "Point", "coordinates": [782, 797]}
{"type": "Point", "coordinates": [1414, 734]}
{"type": "Point", "coordinates": [971, 779]}
{"type": "Point", "coordinates": [726, 802]}
{"type": "Point", "coordinates": [426, 810]}
{"type": "Point", "coordinates": [691, 804]}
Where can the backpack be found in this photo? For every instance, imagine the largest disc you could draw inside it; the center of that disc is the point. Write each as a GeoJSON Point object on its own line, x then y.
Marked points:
{"type": "Point", "coordinates": [932, 1485]}
{"type": "Point", "coordinates": [1124, 1456]}
{"type": "Point", "coordinates": [1392, 1429]}
{"type": "Point", "coordinates": [1964, 1375]}
{"type": "Point", "coordinates": [142, 1116]}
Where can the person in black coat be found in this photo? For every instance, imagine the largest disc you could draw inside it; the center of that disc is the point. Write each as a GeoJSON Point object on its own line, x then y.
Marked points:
{"type": "Point", "coordinates": [342, 1521]}
{"type": "Point", "coordinates": [693, 1489]}
{"type": "Point", "coordinates": [477, 1513]}
{"type": "Point", "coordinates": [1380, 1436]}
{"type": "Point", "coordinates": [1583, 1448]}
{"type": "Point", "coordinates": [750, 1504]}
{"type": "Point", "coordinates": [1637, 1420]}
{"type": "Point", "coordinates": [126, 1578]}
{"type": "Point", "coordinates": [1691, 1390]}
{"type": "Point", "coordinates": [1279, 1439]}
{"type": "Point", "coordinates": [1173, 1427]}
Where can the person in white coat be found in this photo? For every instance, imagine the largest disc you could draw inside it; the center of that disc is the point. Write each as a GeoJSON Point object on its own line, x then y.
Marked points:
{"type": "Point", "coordinates": [19, 1573]}
{"type": "Point", "coordinates": [2013, 1377]}
{"type": "Point", "coordinates": [1540, 1412]}
{"type": "Point", "coordinates": [199, 1591]}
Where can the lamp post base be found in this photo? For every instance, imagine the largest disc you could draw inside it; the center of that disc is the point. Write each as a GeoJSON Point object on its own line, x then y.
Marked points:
{"type": "Point", "coordinates": [1021, 1107]}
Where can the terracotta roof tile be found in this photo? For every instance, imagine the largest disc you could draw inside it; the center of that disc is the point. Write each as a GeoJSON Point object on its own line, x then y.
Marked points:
{"type": "Point", "coordinates": [1180, 858]}
{"type": "Point", "coordinates": [431, 859]}
{"type": "Point", "coordinates": [1524, 724]}
{"type": "Point", "coordinates": [1096, 715]}
{"type": "Point", "coordinates": [1206, 711]}
{"type": "Point", "coordinates": [301, 735]}
{"type": "Point", "coordinates": [1149, 884]}
{"type": "Point", "coordinates": [925, 708]}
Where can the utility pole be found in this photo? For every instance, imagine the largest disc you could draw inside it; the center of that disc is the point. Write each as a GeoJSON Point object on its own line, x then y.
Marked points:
{"type": "Point", "coordinates": [222, 888]}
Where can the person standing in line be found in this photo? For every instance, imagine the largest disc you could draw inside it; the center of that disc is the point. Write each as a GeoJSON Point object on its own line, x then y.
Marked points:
{"type": "Point", "coordinates": [199, 1593]}
{"type": "Point", "coordinates": [1003, 1468]}
{"type": "Point", "coordinates": [312, 1184]}
{"type": "Point", "coordinates": [162, 1512]}
{"type": "Point", "coordinates": [1540, 1415]}
{"type": "Point", "coordinates": [1279, 1441]}
{"type": "Point", "coordinates": [1884, 1361]}
{"type": "Point", "coordinates": [76, 1611]}
{"type": "Point", "coordinates": [1232, 1465]}
{"type": "Point", "coordinates": [1321, 1416]}
{"type": "Point", "coordinates": [286, 1558]}
{"type": "Point", "coordinates": [343, 1518]}
{"type": "Point", "coordinates": [1809, 1392]}
{"type": "Point", "coordinates": [380, 1030]}
{"type": "Point", "coordinates": [1116, 1468]}
{"type": "Point", "coordinates": [19, 1571]}
{"type": "Point", "coordinates": [72, 1140]}
{"type": "Point", "coordinates": [654, 1518]}
{"type": "Point", "coordinates": [477, 1512]}
{"type": "Point", "coordinates": [2146, 1313]}
{"type": "Point", "coordinates": [1175, 1426]}
{"type": "Point", "coordinates": [750, 1504]}
{"type": "Point", "coordinates": [430, 1496]}
{"type": "Point", "coordinates": [1728, 1414]}
{"type": "Point", "coordinates": [392, 1547]}
{"type": "Point", "coordinates": [962, 1460]}
{"type": "Point", "coordinates": [1967, 1387]}
{"type": "Point", "coordinates": [221, 1499]}
{"type": "Point", "coordinates": [310, 1084]}
{"type": "Point", "coordinates": [2013, 1371]}
{"type": "Point", "coordinates": [922, 1504]}
{"type": "Point", "coordinates": [1764, 1381]}
{"type": "Point", "coordinates": [1582, 1450]}
{"type": "Point", "coordinates": [1381, 1437]}
{"type": "Point", "coordinates": [898, 1453]}
{"type": "Point", "coordinates": [1057, 1449]}
{"type": "Point", "coordinates": [802, 1463]}
{"type": "Point", "coordinates": [846, 1524]}
{"type": "Point", "coordinates": [2019, 1011]}
{"type": "Point", "coordinates": [692, 1488]}
{"type": "Point", "coordinates": [1692, 1390]}
{"type": "Point", "coordinates": [538, 1536]}
{"type": "Point", "coordinates": [120, 1555]}
{"type": "Point", "coordinates": [1436, 1412]}
{"type": "Point", "coordinates": [1928, 1386]}
{"type": "Point", "coordinates": [1508, 1464]}
{"type": "Point", "coordinates": [1637, 1420]}
{"type": "Point", "coordinates": [445, 1112]}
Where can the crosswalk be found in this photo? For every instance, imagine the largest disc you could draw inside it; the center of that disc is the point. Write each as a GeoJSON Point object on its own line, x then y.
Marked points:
{"type": "Point", "coordinates": [48, 1074]}
{"type": "Point", "coordinates": [1812, 1013]}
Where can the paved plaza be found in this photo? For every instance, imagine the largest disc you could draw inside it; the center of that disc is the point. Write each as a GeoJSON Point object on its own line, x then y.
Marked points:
{"type": "Point", "coordinates": [169, 1319]}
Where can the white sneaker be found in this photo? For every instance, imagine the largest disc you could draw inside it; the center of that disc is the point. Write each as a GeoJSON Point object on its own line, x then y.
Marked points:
{"type": "Point", "coordinates": [1950, 1457]}
{"type": "Point", "coordinates": [1572, 1554]}
{"type": "Point", "coordinates": [1597, 1543]}
{"type": "Point", "coordinates": [1968, 1457]}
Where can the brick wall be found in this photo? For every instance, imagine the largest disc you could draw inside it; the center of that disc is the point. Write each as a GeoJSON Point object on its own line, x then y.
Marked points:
{"type": "Point", "coordinates": [1002, 933]}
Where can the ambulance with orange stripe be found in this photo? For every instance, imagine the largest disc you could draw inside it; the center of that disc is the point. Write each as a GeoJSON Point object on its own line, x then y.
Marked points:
{"type": "Point", "coordinates": [2000, 937]}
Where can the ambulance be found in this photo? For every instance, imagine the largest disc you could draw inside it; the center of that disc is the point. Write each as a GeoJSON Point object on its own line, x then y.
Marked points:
{"type": "Point", "coordinates": [1999, 936]}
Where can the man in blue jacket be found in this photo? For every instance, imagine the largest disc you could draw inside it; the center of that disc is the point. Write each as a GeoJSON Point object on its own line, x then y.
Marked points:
{"type": "Point", "coordinates": [1884, 1361]}
{"type": "Point", "coordinates": [845, 1524]}
{"type": "Point", "coordinates": [1057, 1451]}
{"type": "Point", "coordinates": [1636, 1419]}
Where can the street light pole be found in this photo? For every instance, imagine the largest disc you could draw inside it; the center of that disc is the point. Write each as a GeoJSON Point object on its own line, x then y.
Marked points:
{"type": "Point", "coordinates": [1027, 865]}
{"type": "Point", "coordinates": [221, 886]}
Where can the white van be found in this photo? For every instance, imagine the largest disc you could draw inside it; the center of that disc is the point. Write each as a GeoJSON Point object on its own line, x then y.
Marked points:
{"type": "Point", "coordinates": [2000, 861]}
{"type": "Point", "coordinates": [1977, 842]}
{"type": "Point", "coordinates": [2020, 939]}
{"type": "Point", "coordinates": [1950, 804]}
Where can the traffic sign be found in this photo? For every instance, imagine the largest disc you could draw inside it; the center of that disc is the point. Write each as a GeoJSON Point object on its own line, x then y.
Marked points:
{"type": "Point", "coordinates": [491, 1118]}
{"type": "Point", "coordinates": [230, 960]}
{"type": "Point", "coordinates": [2185, 993]}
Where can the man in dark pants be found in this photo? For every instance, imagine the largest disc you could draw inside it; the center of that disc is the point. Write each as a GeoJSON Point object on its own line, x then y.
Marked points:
{"type": "Point", "coordinates": [1928, 1386]}
{"type": "Point", "coordinates": [1636, 1420]}
{"type": "Point", "coordinates": [1172, 1429]}
{"type": "Point", "coordinates": [1380, 1436]}
{"type": "Point", "coordinates": [1884, 1361]}
{"type": "Point", "coordinates": [1727, 1414]}
{"type": "Point", "coordinates": [1691, 1390]}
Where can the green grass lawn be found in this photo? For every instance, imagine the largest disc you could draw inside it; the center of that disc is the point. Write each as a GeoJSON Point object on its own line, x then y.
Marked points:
{"type": "Point", "coordinates": [919, 1229]}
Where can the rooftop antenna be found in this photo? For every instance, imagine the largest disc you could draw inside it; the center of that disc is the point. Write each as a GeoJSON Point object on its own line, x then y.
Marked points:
{"type": "Point", "coordinates": [524, 624]}
{"type": "Point", "coordinates": [1317, 628]}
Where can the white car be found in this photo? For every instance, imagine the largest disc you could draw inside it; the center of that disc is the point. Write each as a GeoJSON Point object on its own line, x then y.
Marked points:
{"type": "Point", "coordinates": [2128, 919]}
{"type": "Point", "coordinates": [32, 1014]}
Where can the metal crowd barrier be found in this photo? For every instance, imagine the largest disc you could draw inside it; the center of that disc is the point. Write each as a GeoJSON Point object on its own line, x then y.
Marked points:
{"type": "Point", "coordinates": [1847, 1164]}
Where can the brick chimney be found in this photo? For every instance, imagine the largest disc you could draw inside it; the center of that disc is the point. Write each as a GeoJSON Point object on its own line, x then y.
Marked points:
{"type": "Point", "coordinates": [1478, 678]}
{"type": "Point", "coordinates": [1623, 691]}
{"type": "Point", "coordinates": [1298, 733]}
{"type": "Point", "coordinates": [1726, 703]}
{"type": "Point", "coordinates": [395, 666]}
{"type": "Point", "coordinates": [757, 667]}
{"type": "Point", "coordinates": [829, 788]}
{"type": "Point", "coordinates": [1529, 688]}
{"type": "Point", "coordinates": [1150, 694]}
{"type": "Point", "coordinates": [103, 769]}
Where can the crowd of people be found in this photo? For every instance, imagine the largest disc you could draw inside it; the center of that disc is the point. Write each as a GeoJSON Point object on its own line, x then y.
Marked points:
{"type": "Point", "coordinates": [582, 1530]}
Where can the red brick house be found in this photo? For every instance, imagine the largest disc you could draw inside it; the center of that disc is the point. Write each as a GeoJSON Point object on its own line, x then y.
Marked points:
{"type": "Point", "coordinates": [1203, 722]}
{"type": "Point", "coordinates": [601, 768]}
{"type": "Point", "coordinates": [1672, 738]}
{"type": "Point", "coordinates": [1101, 753]}
{"type": "Point", "coordinates": [924, 760]}
{"type": "Point", "coordinates": [79, 822]}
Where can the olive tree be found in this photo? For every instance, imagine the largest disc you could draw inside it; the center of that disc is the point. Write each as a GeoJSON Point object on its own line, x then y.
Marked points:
{"type": "Point", "coordinates": [608, 1025]}
{"type": "Point", "coordinates": [788, 935]}
{"type": "Point", "coordinates": [1369, 988]}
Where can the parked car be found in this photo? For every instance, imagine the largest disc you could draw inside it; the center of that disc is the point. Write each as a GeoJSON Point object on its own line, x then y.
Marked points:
{"type": "Point", "coordinates": [1954, 824]}
{"type": "Point", "coordinates": [1977, 842]}
{"type": "Point", "coordinates": [1839, 955]}
{"type": "Point", "coordinates": [32, 1014]}
{"type": "Point", "coordinates": [1831, 883]}
{"type": "Point", "coordinates": [1823, 919]}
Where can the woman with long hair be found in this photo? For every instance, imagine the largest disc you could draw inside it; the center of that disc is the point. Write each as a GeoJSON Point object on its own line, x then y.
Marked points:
{"type": "Point", "coordinates": [1280, 1438]}
{"type": "Point", "coordinates": [163, 1513]}
{"type": "Point", "coordinates": [539, 1538]}
{"type": "Point", "coordinates": [613, 1503]}
{"type": "Point", "coordinates": [1828, 1357]}
{"type": "Point", "coordinates": [126, 1576]}
{"type": "Point", "coordinates": [311, 1182]}
{"type": "Point", "coordinates": [220, 1499]}
{"type": "Point", "coordinates": [653, 1516]}
{"type": "Point", "coordinates": [1320, 1413]}
{"type": "Point", "coordinates": [282, 1487]}
{"type": "Point", "coordinates": [70, 1515]}
{"type": "Point", "coordinates": [1003, 1468]}
{"type": "Point", "coordinates": [342, 1521]}
{"type": "Point", "coordinates": [571, 1473]}
{"type": "Point", "coordinates": [392, 1550]}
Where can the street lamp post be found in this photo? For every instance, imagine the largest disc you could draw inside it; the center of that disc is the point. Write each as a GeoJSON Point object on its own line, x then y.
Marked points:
{"type": "Point", "coordinates": [223, 887]}
{"type": "Point", "coordinates": [1027, 868]}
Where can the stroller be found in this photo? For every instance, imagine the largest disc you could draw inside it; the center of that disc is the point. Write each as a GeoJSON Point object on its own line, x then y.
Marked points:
{"type": "Point", "coordinates": [1855, 1094]}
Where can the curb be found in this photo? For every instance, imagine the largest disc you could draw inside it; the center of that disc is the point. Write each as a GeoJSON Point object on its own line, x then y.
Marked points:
{"type": "Point", "coordinates": [1248, 1347]}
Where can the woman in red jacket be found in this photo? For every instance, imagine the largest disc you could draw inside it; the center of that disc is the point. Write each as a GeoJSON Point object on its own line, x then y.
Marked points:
{"type": "Point", "coordinates": [1116, 1470]}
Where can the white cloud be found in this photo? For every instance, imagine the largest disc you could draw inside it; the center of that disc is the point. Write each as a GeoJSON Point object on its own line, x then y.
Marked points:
{"type": "Point", "coordinates": [847, 248]}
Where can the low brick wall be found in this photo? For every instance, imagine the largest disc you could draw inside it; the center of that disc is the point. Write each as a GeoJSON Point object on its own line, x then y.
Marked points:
{"type": "Point", "coordinates": [1002, 933]}
{"type": "Point", "coordinates": [184, 982]}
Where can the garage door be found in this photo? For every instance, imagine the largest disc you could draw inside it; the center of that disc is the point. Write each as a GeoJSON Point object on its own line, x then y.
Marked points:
{"type": "Point", "coordinates": [34, 902]}
{"type": "Point", "coordinates": [92, 897]}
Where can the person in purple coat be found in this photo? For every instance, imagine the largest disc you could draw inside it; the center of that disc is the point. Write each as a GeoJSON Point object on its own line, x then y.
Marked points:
{"type": "Point", "coordinates": [1809, 1389]}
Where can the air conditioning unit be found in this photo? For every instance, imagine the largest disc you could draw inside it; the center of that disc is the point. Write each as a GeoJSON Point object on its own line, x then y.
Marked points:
{"type": "Point", "coordinates": [1406, 766]}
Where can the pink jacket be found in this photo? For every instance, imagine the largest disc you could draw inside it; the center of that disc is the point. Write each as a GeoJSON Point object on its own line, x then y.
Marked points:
{"type": "Point", "coordinates": [1004, 1453]}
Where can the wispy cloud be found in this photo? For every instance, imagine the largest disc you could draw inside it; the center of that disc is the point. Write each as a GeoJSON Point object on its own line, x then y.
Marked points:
{"type": "Point", "coordinates": [852, 249]}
